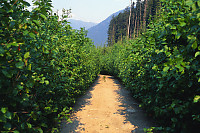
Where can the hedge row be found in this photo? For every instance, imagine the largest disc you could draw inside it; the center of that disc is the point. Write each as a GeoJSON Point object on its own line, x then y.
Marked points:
{"type": "Point", "coordinates": [162, 67]}
{"type": "Point", "coordinates": [44, 66]}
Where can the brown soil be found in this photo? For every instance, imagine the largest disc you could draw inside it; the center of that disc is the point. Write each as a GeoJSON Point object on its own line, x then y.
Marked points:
{"type": "Point", "coordinates": [106, 108]}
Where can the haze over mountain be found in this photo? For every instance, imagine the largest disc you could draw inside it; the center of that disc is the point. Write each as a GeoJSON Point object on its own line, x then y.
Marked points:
{"type": "Point", "coordinates": [77, 24]}
{"type": "Point", "coordinates": [98, 33]}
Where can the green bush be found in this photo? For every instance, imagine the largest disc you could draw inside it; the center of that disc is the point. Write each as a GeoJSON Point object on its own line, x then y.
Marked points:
{"type": "Point", "coordinates": [44, 66]}
{"type": "Point", "coordinates": [162, 67]}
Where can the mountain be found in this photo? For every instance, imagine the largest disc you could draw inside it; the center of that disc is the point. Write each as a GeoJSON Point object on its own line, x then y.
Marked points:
{"type": "Point", "coordinates": [77, 24]}
{"type": "Point", "coordinates": [98, 33]}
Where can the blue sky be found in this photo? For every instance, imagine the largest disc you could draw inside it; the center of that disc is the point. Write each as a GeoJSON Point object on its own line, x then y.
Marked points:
{"type": "Point", "coordinates": [90, 10]}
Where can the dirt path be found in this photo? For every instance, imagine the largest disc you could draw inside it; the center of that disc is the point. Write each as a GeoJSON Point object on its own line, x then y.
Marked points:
{"type": "Point", "coordinates": [106, 108]}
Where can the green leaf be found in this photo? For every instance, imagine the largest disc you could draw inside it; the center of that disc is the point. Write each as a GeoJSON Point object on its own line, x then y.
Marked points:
{"type": "Point", "coordinates": [14, 44]}
{"type": "Point", "coordinates": [155, 67]}
{"type": "Point", "coordinates": [40, 130]}
{"type": "Point", "coordinates": [29, 125]}
{"type": "Point", "coordinates": [25, 32]}
{"type": "Point", "coordinates": [198, 15]}
{"type": "Point", "coordinates": [198, 73]}
{"type": "Point", "coordinates": [182, 24]}
{"type": "Point", "coordinates": [42, 81]}
{"type": "Point", "coordinates": [173, 105]}
{"type": "Point", "coordinates": [36, 22]}
{"type": "Point", "coordinates": [179, 67]}
{"type": "Point", "coordinates": [20, 87]}
{"type": "Point", "coordinates": [178, 35]}
{"type": "Point", "coordinates": [10, 11]}
{"type": "Point", "coordinates": [168, 25]}
{"type": "Point", "coordinates": [3, 110]}
{"type": "Point", "coordinates": [46, 82]}
{"type": "Point", "coordinates": [197, 53]}
{"type": "Point", "coordinates": [174, 120]}
{"type": "Point", "coordinates": [16, 131]}
{"type": "Point", "coordinates": [29, 67]}
{"type": "Point", "coordinates": [27, 55]}
{"type": "Point", "coordinates": [32, 35]}
{"type": "Point", "coordinates": [165, 69]}
{"type": "Point", "coordinates": [43, 16]}
{"type": "Point", "coordinates": [196, 98]}
{"type": "Point", "coordinates": [44, 125]}
{"type": "Point", "coordinates": [194, 45]}
{"type": "Point", "coordinates": [173, 27]}
{"type": "Point", "coordinates": [20, 65]}
{"type": "Point", "coordinates": [8, 115]}
{"type": "Point", "coordinates": [189, 2]}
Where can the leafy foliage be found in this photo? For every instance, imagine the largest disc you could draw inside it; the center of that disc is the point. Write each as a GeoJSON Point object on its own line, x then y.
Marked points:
{"type": "Point", "coordinates": [44, 66]}
{"type": "Point", "coordinates": [162, 67]}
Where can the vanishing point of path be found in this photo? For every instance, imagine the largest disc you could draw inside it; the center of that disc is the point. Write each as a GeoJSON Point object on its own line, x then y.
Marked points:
{"type": "Point", "coordinates": [106, 108]}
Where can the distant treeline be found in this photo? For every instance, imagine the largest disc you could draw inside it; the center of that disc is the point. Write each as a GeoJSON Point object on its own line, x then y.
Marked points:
{"type": "Point", "coordinates": [140, 15]}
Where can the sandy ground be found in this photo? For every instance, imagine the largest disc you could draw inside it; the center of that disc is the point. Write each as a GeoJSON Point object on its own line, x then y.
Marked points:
{"type": "Point", "coordinates": [106, 108]}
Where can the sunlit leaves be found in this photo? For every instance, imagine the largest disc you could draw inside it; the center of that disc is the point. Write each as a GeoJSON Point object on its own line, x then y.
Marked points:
{"type": "Point", "coordinates": [19, 65]}
{"type": "Point", "coordinates": [197, 54]}
{"type": "Point", "coordinates": [43, 16]}
{"type": "Point", "coordinates": [3, 110]}
{"type": "Point", "coordinates": [32, 35]}
{"type": "Point", "coordinates": [164, 75]}
{"type": "Point", "coordinates": [165, 69]}
{"type": "Point", "coordinates": [26, 55]}
{"type": "Point", "coordinates": [36, 22]}
{"type": "Point", "coordinates": [196, 99]}
{"type": "Point", "coordinates": [44, 63]}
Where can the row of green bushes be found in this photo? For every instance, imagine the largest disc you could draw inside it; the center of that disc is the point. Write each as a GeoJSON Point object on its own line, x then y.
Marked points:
{"type": "Point", "coordinates": [44, 66]}
{"type": "Point", "coordinates": [162, 67]}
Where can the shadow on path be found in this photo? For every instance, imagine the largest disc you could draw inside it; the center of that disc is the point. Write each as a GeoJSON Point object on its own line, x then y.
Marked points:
{"type": "Point", "coordinates": [131, 110]}
{"type": "Point", "coordinates": [81, 102]}
{"type": "Point", "coordinates": [128, 108]}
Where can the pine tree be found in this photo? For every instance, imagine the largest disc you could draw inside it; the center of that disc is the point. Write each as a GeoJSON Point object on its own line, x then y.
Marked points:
{"type": "Point", "coordinates": [133, 20]}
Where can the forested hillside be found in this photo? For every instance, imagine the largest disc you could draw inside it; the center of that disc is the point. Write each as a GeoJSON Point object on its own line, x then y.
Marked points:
{"type": "Point", "coordinates": [135, 19]}
{"type": "Point", "coordinates": [98, 33]}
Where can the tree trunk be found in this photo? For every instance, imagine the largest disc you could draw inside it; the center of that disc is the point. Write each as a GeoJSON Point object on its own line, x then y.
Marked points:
{"type": "Point", "coordinates": [129, 22]}
{"type": "Point", "coordinates": [145, 14]}
{"type": "Point", "coordinates": [135, 29]}
{"type": "Point", "coordinates": [133, 22]}
{"type": "Point", "coordinates": [113, 35]}
{"type": "Point", "coordinates": [138, 17]}
{"type": "Point", "coordinates": [140, 21]}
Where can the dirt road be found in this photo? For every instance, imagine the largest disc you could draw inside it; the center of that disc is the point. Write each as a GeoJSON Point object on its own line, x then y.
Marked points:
{"type": "Point", "coordinates": [106, 108]}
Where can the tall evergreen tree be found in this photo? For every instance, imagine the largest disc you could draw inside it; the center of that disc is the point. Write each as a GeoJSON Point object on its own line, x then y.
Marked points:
{"type": "Point", "coordinates": [140, 14]}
